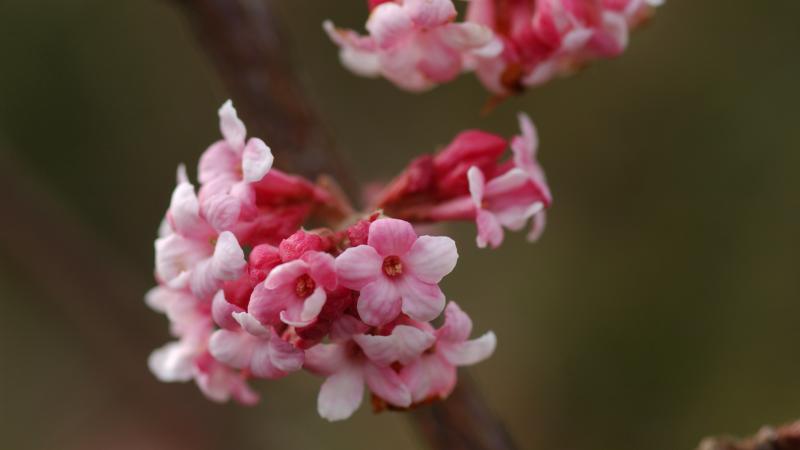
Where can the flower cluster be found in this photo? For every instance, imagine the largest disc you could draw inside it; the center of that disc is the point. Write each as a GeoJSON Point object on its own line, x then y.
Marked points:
{"type": "Point", "coordinates": [468, 180]}
{"type": "Point", "coordinates": [510, 44]}
{"type": "Point", "coordinates": [251, 294]}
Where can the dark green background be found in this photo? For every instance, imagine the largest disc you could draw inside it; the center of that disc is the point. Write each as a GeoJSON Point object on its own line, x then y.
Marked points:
{"type": "Point", "coordinates": [661, 305]}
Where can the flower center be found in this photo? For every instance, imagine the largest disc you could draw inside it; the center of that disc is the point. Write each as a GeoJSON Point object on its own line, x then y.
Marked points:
{"type": "Point", "coordinates": [392, 266]}
{"type": "Point", "coordinates": [305, 286]}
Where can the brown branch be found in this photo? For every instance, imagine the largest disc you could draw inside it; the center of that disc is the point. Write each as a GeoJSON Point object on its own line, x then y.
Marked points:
{"type": "Point", "coordinates": [786, 437]}
{"type": "Point", "coordinates": [462, 422]}
{"type": "Point", "coordinates": [249, 48]}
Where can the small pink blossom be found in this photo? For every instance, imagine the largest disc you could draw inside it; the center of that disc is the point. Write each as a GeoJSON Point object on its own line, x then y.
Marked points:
{"type": "Point", "coordinates": [433, 374]}
{"type": "Point", "coordinates": [295, 292]}
{"type": "Point", "coordinates": [200, 265]}
{"type": "Point", "coordinates": [190, 252]}
{"type": "Point", "coordinates": [397, 271]}
{"type": "Point", "coordinates": [228, 167]}
{"type": "Point", "coordinates": [367, 359]}
{"type": "Point", "coordinates": [255, 347]}
{"type": "Point", "coordinates": [511, 199]}
{"type": "Point", "coordinates": [543, 39]}
{"type": "Point", "coordinates": [416, 44]}
{"type": "Point", "coordinates": [220, 383]}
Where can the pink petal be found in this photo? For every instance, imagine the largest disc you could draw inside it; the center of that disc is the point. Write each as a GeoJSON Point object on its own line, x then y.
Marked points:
{"type": "Point", "coordinates": [469, 36]}
{"type": "Point", "coordinates": [232, 128]}
{"type": "Point", "coordinates": [172, 362]}
{"type": "Point", "coordinates": [221, 211]}
{"type": "Point", "coordinates": [431, 258]}
{"type": "Point", "coordinates": [379, 302]}
{"type": "Point", "coordinates": [358, 266]}
{"type": "Point", "coordinates": [202, 281]}
{"type": "Point", "coordinates": [219, 160]}
{"type": "Point", "coordinates": [438, 61]}
{"type": "Point", "coordinates": [184, 211]}
{"type": "Point", "coordinates": [341, 395]}
{"type": "Point", "coordinates": [256, 160]}
{"type": "Point", "coordinates": [233, 348]}
{"type": "Point", "coordinates": [477, 185]}
{"type": "Point", "coordinates": [176, 255]}
{"type": "Point", "coordinates": [326, 359]}
{"type": "Point", "coordinates": [469, 352]}
{"type": "Point", "coordinates": [489, 230]}
{"type": "Point", "coordinates": [524, 146]}
{"type": "Point", "coordinates": [313, 304]}
{"type": "Point", "coordinates": [457, 324]}
{"type": "Point", "coordinates": [274, 358]}
{"type": "Point", "coordinates": [284, 355]}
{"type": "Point", "coordinates": [322, 267]}
{"type": "Point", "coordinates": [228, 262]}
{"type": "Point", "coordinates": [422, 301]}
{"type": "Point", "coordinates": [386, 384]}
{"type": "Point", "coordinates": [267, 304]}
{"type": "Point", "coordinates": [403, 345]}
{"type": "Point", "coordinates": [391, 236]}
{"type": "Point", "coordinates": [251, 325]}
{"type": "Point", "coordinates": [302, 313]}
{"type": "Point", "coordinates": [222, 310]}
{"type": "Point", "coordinates": [346, 327]}
{"type": "Point", "coordinates": [537, 228]}
{"type": "Point", "coordinates": [388, 24]}
{"type": "Point", "coordinates": [357, 53]}
{"type": "Point", "coordinates": [291, 315]}
{"type": "Point", "coordinates": [158, 298]}
{"type": "Point", "coordinates": [429, 377]}
{"type": "Point", "coordinates": [286, 274]}
{"type": "Point", "coordinates": [514, 217]}
{"type": "Point", "coordinates": [430, 13]}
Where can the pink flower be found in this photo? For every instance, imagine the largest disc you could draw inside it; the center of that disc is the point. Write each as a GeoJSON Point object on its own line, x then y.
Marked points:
{"type": "Point", "coordinates": [256, 348]}
{"type": "Point", "coordinates": [190, 253]}
{"type": "Point", "coordinates": [414, 43]}
{"type": "Point", "coordinates": [228, 167]}
{"type": "Point", "coordinates": [366, 359]}
{"type": "Point", "coordinates": [220, 383]}
{"type": "Point", "coordinates": [433, 374]}
{"type": "Point", "coordinates": [202, 266]}
{"type": "Point", "coordinates": [397, 271]}
{"type": "Point", "coordinates": [294, 292]}
{"type": "Point", "coordinates": [511, 199]}
{"type": "Point", "coordinates": [548, 38]}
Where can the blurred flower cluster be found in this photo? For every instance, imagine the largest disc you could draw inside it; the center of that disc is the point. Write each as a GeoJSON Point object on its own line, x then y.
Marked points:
{"type": "Point", "coordinates": [250, 293]}
{"type": "Point", "coordinates": [509, 44]}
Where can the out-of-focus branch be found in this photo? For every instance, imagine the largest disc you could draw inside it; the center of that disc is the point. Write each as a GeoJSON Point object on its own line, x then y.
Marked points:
{"type": "Point", "coordinates": [462, 422]}
{"type": "Point", "coordinates": [249, 48]}
{"type": "Point", "coordinates": [786, 437]}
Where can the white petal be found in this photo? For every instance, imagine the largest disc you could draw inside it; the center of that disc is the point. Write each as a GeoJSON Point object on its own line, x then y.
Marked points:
{"type": "Point", "coordinates": [228, 261]}
{"type": "Point", "coordinates": [403, 345]}
{"type": "Point", "coordinates": [234, 348]}
{"type": "Point", "coordinates": [470, 352]}
{"type": "Point", "coordinates": [256, 160]}
{"type": "Point", "coordinates": [341, 395]}
{"type": "Point", "coordinates": [231, 127]}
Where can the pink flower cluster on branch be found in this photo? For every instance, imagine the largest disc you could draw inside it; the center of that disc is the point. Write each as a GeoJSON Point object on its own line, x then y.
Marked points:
{"type": "Point", "coordinates": [510, 44]}
{"type": "Point", "coordinates": [251, 294]}
{"type": "Point", "coordinates": [469, 180]}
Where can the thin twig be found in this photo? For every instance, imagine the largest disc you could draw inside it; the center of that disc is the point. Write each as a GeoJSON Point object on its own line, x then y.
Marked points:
{"type": "Point", "coordinates": [786, 437]}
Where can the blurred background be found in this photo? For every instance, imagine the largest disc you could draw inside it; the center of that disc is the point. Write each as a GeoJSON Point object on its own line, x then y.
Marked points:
{"type": "Point", "coordinates": [661, 305]}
